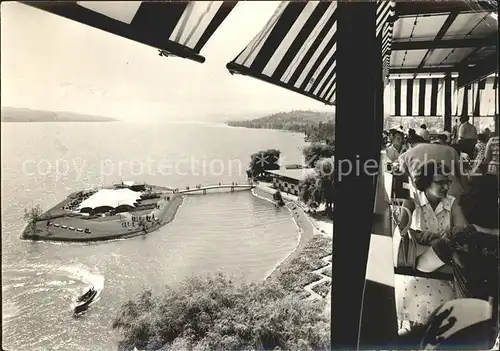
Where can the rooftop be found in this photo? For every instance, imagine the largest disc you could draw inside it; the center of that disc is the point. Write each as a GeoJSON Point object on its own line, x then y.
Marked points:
{"type": "Point", "coordinates": [111, 198]}
{"type": "Point", "coordinates": [297, 174]}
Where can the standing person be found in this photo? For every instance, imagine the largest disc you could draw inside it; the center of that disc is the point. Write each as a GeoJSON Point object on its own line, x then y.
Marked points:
{"type": "Point", "coordinates": [491, 155]}
{"type": "Point", "coordinates": [479, 162]}
{"type": "Point", "coordinates": [467, 136]}
{"type": "Point", "coordinates": [487, 133]}
{"type": "Point", "coordinates": [454, 132]}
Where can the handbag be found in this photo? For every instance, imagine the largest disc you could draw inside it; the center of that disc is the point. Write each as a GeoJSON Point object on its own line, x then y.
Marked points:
{"type": "Point", "coordinates": [405, 245]}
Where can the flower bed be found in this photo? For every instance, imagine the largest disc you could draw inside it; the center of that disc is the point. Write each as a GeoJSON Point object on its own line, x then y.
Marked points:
{"type": "Point", "coordinates": [323, 289]}
{"type": "Point", "coordinates": [328, 272]}
{"type": "Point", "coordinates": [298, 273]}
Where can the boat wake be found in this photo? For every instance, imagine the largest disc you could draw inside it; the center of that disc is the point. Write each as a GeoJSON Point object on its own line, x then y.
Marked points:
{"type": "Point", "coordinates": [88, 277]}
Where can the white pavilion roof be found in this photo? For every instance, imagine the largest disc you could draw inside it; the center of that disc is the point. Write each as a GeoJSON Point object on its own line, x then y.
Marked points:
{"type": "Point", "coordinates": [112, 198]}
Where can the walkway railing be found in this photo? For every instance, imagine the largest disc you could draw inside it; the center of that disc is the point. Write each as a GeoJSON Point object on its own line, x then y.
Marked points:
{"type": "Point", "coordinates": [204, 189]}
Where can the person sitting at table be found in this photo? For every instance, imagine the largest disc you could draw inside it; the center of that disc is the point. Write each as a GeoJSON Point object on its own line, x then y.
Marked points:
{"type": "Point", "coordinates": [424, 133]}
{"type": "Point", "coordinates": [421, 152]}
{"type": "Point", "coordinates": [409, 137]}
{"type": "Point", "coordinates": [471, 250]}
{"type": "Point", "coordinates": [442, 139]}
{"type": "Point", "coordinates": [491, 155]}
{"type": "Point", "coordinates": [433, 212]}
{"type": "Point", "coordinates": [396, 148]}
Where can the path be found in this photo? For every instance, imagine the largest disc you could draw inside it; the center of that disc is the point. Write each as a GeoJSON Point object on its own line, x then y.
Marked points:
{"type": "Point", "coordinates": [221, 186]}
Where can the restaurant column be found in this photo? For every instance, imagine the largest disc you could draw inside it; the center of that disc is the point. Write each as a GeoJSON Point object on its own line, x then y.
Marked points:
{"type": "Point", "coordinates": [496, 103]}
{"type": "Point", "coordinates": [447, 103]}
{"type": "Point", "coordinates": [358, 138]}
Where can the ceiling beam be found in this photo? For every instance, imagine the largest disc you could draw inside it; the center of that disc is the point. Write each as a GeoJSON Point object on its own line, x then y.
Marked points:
{"type": "Point", "coordinates": [482, 69]}
{"type": "Point", "coordinates": [416, 70]}
{"type": "Point", "coordinates": [442, 32]}
{"type": "Point", "coordinates": [414, 8]}
{"type": "Point", "coordinates": [464, 62]}
{"type": "Point", "coordinates": [443, 44]}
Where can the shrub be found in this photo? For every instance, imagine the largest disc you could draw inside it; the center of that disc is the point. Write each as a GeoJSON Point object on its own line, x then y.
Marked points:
{"type": "Point", "coordinates": [207, 313]}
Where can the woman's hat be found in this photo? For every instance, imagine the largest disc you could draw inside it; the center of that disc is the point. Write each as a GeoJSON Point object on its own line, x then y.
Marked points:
{"type": "Point", "coordinates": [460, 324]}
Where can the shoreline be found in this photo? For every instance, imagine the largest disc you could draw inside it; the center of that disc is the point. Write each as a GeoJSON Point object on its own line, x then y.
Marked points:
{"type": "Point", "coordinates": [304, 227]}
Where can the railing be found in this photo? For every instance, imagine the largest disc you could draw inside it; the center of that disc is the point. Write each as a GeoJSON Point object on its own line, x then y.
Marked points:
{"type": "Point", "coordinates": [221, 186]}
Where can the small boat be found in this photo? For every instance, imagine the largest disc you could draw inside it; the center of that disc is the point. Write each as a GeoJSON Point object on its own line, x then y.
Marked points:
{"type": "Point", "coordinates": [85, 300]}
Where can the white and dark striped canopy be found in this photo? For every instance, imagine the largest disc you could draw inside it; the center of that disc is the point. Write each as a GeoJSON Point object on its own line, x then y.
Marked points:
{"type": "Point", "coordinates": [416, 97]}
{"type": "Point", "coordinates": [297, 48]}
{"type": "Point", "coordinates": [178, 28]}
{"type": "Point", "coordinates": [479, 99]}
{"type": "Point", "coordinates": [424, 97]}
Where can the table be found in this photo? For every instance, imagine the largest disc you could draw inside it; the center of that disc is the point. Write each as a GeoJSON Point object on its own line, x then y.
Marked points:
{"type": "Point", "coordinates": [444, 273]}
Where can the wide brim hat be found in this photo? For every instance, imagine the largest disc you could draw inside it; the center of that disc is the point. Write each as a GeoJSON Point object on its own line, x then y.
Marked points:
{"type": "Point", "coordinates": [460, 324]}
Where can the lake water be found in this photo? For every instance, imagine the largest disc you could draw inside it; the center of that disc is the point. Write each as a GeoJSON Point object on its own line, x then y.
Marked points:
{"type": "Point", "coordinates": [42, 163]}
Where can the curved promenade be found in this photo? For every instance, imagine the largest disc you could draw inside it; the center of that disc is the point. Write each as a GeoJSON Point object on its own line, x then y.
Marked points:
{"type": "Point", "coordinates": [307, 229]}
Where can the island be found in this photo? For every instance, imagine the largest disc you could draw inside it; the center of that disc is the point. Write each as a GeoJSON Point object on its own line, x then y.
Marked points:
{"type": "Point", "coordinates": [119, 211]}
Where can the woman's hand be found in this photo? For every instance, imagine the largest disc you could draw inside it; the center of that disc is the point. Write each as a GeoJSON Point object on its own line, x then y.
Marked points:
{"type": "Point", "coordinates": [425, 238]}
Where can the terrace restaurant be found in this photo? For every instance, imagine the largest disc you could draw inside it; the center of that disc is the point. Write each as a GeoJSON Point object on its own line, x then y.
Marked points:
{"type": "Point", "coordinates": [370, 60]}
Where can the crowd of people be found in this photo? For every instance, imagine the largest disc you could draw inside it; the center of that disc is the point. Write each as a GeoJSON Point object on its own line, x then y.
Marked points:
{"type": "Point", "coordinates": [476, 152]}
{"type": "Point", "coordinates": [452, 215]}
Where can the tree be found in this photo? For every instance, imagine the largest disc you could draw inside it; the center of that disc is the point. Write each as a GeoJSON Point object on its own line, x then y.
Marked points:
{"type": "Point", "coordinates": [319, 188]}
{"type": "Point", "coordinates": [32, 216]}
{"type": "Point", "coordinates": [307, 190]}
{"type": "Point", "coordinates": [314, 152]}
{"type": "Point", "coordinates": [264, 160]}
{"type": "Point", "coordinates": [215, 313]}
{"type": "Point", "coordinates": [278, 198]}
{"type": "Point", "coordinates": [325, 182]}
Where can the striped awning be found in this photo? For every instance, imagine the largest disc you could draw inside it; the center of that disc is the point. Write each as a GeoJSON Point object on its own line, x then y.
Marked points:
{"type": "Point", "coordinates": [416, 97]}
{"type": "Point", "coordinates": [178, 28]}
{"type": "Point", "coordinates": [479, 99]}
{"type": "Point", "coordinates": [297, 48]}
{"type": "Point", "coordinates": [424, 97]}
{"type": "Point", "coordinates": [386, 11]}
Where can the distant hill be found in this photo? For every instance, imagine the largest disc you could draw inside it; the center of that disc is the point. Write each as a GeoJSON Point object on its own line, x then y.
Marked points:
{"type": "Point", "coordinates": [283, 120]}
{"type": "Point", "coordinates": [14, 114]}
{"type": "Point", "coordinates": [317, 126]}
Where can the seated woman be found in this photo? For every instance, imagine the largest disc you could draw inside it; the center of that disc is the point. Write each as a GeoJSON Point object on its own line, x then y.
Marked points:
{"type": "Point", "coordinates": [433, 213]}
{"type": "Point", "coordinates": [472, 250]}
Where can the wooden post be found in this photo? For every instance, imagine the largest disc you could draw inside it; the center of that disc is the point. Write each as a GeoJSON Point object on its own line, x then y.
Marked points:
{"type": "Point", "coordinates": [359, 111]}
{"type": "Point", "coordinates": [447, 103]}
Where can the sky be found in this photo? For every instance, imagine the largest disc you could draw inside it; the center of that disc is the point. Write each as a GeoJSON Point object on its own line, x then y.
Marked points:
{"type": "Point", "coordinates": [52, 63]}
